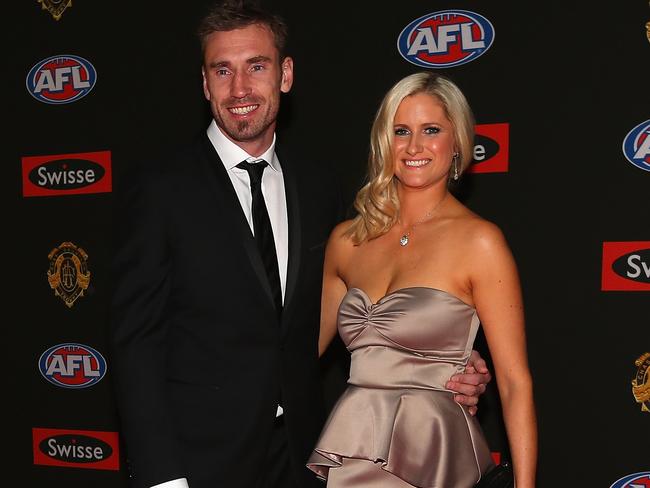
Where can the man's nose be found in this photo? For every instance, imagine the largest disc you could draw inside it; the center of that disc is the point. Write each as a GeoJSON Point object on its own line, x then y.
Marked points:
{"type": "Point", "coordinates": [240, 86]}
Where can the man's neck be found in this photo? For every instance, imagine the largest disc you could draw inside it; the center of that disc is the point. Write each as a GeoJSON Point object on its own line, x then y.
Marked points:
{"type": "Point", "coordinates": [255, 147]}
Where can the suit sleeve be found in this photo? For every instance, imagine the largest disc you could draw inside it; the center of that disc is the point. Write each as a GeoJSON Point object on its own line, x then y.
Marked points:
{"type": "Point", "coordinates": [141, 280]}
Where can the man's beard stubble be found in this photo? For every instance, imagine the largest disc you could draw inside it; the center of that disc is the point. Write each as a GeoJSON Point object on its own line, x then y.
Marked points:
{"type": "Point", "coordinates": [247, 130]}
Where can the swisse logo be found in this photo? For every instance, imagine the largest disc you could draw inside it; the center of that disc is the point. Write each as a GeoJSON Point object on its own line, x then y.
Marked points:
{"type": "Point", "coordinates": [61, 79]}
{"type": "Point", "coordinates": [67, 174]}
{"type": "Point", "coordinates": [446, 38]}
{"type": "Point", "coordinates": [76, 448]}
{"type": "Point", "coordinates": [491, 148]}
{"type": "Point", "coordinates": [636, 480]}
{"type": "Point", "coordinates": [626, 266]}
{"type": "Point", "coordinates": [635, 266]}
{"type": "Point", "coordinates": [72, 365]}
{"type": "Point", "coordinates": [636, 146]}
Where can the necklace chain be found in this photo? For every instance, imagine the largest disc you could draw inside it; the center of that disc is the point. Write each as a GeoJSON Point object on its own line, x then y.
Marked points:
{"type": "Point", "coordinates": [404, 240]}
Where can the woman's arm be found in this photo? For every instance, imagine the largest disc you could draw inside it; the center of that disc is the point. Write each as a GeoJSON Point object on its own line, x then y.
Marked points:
{"type": "Point", "coordinates": [334, 287]}
{"type": "Point", "coordinates": [497, 295]}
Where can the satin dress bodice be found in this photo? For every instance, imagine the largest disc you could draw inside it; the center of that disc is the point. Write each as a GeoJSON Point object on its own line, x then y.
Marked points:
{"type": "Point", "coordinates": [403, 341]}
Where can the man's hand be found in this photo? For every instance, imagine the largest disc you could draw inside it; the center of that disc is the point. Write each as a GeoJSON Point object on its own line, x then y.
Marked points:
{"type": "Point", "coordinates": [470, 385]}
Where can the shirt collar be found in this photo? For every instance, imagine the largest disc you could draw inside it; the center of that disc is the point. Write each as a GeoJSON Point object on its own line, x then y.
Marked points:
{"type": "Point", "coordinates": [231, 154]}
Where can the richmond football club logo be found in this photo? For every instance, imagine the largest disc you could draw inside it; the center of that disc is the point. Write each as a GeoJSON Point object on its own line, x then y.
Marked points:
{"type": "Point", "coordinates": [68, 274]}
{"type": "Point", "coordinates": [641, 382]}
{"type": "Point", "coordinates": [647, 28]}
{"type": "Point", "coordinates": [55, 7]}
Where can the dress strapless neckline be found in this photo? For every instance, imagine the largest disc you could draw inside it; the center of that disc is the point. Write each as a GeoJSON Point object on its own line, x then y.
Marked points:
{"type": "Point", "coordinates": [406, 289]}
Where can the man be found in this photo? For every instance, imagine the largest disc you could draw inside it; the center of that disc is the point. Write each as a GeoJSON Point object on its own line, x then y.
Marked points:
{"type": "Point", "coordinates": [217, 285]}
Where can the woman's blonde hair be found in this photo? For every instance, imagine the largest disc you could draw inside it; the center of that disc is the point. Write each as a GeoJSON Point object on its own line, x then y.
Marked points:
{"type": "Point", "coordinates": [376, 202]}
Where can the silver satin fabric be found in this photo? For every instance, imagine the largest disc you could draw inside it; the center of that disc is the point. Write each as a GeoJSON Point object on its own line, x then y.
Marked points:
{"type": "Point", "coordinates": [396, 410]}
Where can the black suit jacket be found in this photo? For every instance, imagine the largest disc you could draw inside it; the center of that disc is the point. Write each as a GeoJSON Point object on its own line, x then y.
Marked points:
{"type": "Point", "coordinates": [199, 359]}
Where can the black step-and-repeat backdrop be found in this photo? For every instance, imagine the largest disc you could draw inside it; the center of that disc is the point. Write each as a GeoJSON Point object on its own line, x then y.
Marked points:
{"type": "Point", "coordinates": [562, 164]}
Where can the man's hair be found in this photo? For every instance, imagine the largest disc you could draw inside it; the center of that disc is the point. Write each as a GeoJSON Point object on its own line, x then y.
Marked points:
{"type": "Point", "coordinates": [238, 14]}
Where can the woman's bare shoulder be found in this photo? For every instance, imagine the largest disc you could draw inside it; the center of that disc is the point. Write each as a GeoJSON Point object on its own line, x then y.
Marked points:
{"type": "Point", "coordinates": [341, 228]}
{"type": "Point", "coordinates": [339, 239]}
{"type": "Point", "coordinates": [476, 232]}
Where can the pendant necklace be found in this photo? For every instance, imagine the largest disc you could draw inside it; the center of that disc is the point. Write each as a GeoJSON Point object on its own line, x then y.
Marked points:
{"type": "Point", "coordinates": [404, 240]}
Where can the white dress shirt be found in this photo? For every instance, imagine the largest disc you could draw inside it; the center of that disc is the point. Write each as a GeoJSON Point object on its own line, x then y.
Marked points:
{"type": "Point", "coordinates": [272, 189]}
{"type": "Point", "coordinates": [276, 204]}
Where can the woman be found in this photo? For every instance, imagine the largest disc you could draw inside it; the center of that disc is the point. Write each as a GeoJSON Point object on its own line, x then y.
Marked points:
{"type": "Point", "coordinates": [406, 283]}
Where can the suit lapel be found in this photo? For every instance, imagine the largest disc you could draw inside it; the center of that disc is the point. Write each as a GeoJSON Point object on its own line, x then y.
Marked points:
{"type": "Point", "coordinates": [293, 214]}
{"type": "Point", "coordinates": [295, 233]}
{"type": "Point", "coordinates": [236, 223]}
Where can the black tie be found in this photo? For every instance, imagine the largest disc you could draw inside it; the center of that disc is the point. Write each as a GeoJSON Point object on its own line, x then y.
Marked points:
{"type": "Point", "coordinates": [262, 229]}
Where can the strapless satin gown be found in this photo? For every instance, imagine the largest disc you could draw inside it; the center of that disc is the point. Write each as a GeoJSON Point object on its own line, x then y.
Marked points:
{"type": "Point", "coordinates": [396, 424]}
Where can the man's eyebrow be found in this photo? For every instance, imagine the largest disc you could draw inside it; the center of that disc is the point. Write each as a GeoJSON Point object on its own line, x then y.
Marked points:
{"type": "Point", "coordinates": [225, 64]}
{"type": "Point", "coordinates": [219, 64]}
{"type": "Point", "coordinates": [258, 59]}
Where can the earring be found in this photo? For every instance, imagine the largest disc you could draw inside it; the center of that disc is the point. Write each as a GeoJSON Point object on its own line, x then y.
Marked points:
{"type": "Point", "coordinates": [455, 163]}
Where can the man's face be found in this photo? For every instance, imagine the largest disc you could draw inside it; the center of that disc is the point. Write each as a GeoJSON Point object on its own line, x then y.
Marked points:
{"type": "Point", "coordinates": [242, 80]}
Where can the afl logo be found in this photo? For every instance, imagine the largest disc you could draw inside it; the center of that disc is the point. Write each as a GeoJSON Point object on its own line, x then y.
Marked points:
{"type": "Point", "coordinates": [636, 146]}
{"type": "Point", "coordinates": [636, 480]}
{"type": "Point", "coordinates": [445, 39]}
{"type": "Point", "coordinates": [72, 365]}
{"type": "Point", "coordinates": [61, 79]}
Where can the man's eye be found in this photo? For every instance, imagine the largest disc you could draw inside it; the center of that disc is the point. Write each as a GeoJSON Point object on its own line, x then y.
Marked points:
{"type": "Point", "coordinates": [257, 67]}
{"type": "Point", "coordinates": [222, 72]}
{"type": "Point", "coordinates": [401, 131]}
{"type": "Point", "coordinates": [432, 130]}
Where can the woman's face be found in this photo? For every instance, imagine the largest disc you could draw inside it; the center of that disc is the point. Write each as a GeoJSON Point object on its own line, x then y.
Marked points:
{"type": "Point", "coordinates": [423, 142]}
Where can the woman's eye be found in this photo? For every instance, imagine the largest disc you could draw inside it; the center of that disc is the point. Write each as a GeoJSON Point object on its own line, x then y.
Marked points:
{"type": "Point", "coordinates": [401, 131]}
{"type": "Point", "coordinates": [432, 130]}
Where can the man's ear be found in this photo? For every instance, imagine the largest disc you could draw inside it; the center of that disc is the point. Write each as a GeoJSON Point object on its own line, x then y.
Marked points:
{"type": "Point", "coordinates": [206, 92]}
{"type": "Point", "coordinates": [287, 75]}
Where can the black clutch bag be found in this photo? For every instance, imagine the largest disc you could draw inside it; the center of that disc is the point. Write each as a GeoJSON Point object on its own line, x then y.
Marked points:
{"type": "Point", "coordinates": [500, 476]}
